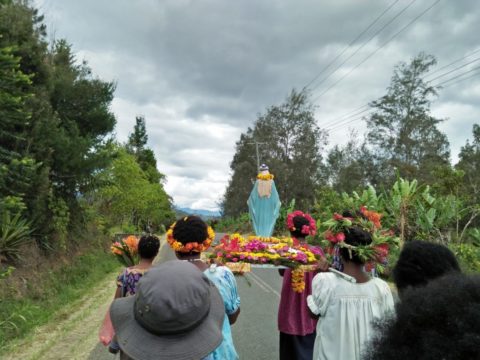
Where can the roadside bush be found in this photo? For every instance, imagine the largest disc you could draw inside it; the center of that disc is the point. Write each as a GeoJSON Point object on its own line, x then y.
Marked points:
{"type": "Point", "coordinates": [468, 256]}
{"type": "Point", "coordinates": [240, 224]}
{"type": "Point", "coordinates": [14, 232]}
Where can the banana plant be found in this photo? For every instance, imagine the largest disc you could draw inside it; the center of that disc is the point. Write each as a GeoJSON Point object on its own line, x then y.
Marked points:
{"type": "Point", "coordinates": [402, 198]}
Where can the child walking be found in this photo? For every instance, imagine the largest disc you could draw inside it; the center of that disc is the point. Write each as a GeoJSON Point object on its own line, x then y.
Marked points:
{"type": "Point", "coordinates": [148, 247]}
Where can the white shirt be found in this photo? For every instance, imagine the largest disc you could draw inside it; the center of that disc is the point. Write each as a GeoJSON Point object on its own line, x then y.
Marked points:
{"type": "Point", "coordinates": [346, 311]}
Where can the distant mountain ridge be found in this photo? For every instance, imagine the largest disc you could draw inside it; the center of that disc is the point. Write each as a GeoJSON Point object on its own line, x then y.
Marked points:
{"type": "Point", "coordinates": [200, 212]}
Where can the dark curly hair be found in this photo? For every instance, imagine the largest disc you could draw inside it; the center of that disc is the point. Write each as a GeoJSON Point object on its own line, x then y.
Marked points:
{"type": "Point", "coordinates": [355, 236]}
{"type": "Point", "coordinates": [299, 222]}
{"type": "Point", "coordinates": [190, 229]}
{"type": "Point", "coordinates": [148, 246]}
{"type": "Point", "coordinates": [420, 262]}
{"type": "Point", "coordinates": [438, 321]}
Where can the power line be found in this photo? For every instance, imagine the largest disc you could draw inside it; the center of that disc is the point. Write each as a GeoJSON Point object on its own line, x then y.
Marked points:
{"type": "Point", "coordinates": [358, 111]}
{"type": "Point", "coordinates": [460, 80]}
{"type": "Point", "coordinates": [350, 113]}
{"type": "Point", "coordinates": [457, 68]}
{"type": "Point", "coordinates": [453, 62]}
{"type": "Point", "coordinates": [343, 124]}
{"type": "Point", "coordinates": [378, 49]}
{"type": "Point", "coordinates": [335, 122]}
{"type": "Point", "coordinates": [363, 45]}
{"type": "Point", "coordinates": [351, 43]}
{"type": "Point", "coordinates": [457, 76]}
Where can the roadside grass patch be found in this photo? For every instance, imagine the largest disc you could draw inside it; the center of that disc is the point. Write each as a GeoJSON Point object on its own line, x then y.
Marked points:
{"type": "Point", "coordinates": [55, 290]}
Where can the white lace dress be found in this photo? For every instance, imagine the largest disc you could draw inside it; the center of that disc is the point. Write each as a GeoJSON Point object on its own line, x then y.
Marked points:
{"type": "Point", "coordinates": [346, 312]}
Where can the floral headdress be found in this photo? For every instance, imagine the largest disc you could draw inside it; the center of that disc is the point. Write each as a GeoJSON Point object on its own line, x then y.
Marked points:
{"type": "Point", "coordinates": [374, 254]}
{"type": "Point", "coordinates": [191, 246]}
{"type": "Point", "coordinates": [310, 229]}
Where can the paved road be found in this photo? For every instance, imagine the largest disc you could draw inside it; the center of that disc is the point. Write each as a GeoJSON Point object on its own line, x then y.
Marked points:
{"type": "Point", "coordinates": [255, 333]}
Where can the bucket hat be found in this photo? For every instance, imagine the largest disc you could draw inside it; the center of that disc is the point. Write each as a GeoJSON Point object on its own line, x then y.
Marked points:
{"type": "Point", "coordinates": [177, 313]}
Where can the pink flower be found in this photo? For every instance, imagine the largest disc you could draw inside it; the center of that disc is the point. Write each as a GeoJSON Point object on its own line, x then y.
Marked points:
{"type": "Point", "coordinates": [250, 257]}
{"type": "Point", "coordinates": [235, 259]}
{"type": "Point", "coordinates": [340, 237]}
{"type": "Point", "coordinates": [305, 229]}
{"type": "Point", "coordinates": [301, 257]}
{"type": "Point", "coordinates": [242, 256]}
{"type": "Point", "coordinates": [263, 260]}
{"type": "Point", "coordinates": [316, 251]}
{"type": "Point", "coordinates": [219, 254]}
{"type": "Point", "coordinates": [229, 256]}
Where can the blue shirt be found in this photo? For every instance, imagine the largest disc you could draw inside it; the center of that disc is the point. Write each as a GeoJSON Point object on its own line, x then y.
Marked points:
{"type": "Point", "coordinates": [226, 284]}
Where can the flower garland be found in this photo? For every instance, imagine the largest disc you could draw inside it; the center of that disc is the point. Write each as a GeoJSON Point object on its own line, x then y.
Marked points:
{"type": "Point", "coordinates": [310, 229]}
{"type": "Point", "coordinates": [298, 280]}
{"type": "Point", "coordinates": [265, 176]}
{"type": "Point", "coordinates": [191, 246]}
{"type": "Point", "coordinates": [374, 254]}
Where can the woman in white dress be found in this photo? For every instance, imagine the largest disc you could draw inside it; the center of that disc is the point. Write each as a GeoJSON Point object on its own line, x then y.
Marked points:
{"type": "Point", "coordinates": [348, 308]}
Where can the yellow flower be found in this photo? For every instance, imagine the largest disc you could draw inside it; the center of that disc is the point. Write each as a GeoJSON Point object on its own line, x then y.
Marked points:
{"type": "Point", "coordinates": [265, 176]}
{"type": "Point", "coordinates": [298, 280]}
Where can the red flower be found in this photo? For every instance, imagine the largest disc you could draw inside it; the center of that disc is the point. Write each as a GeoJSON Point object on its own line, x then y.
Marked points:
{"type": "Point", "coordinates": [382, 250]}
{"type": "Point", "coordinates": [329, 236]}
{"type": "Point", "coordinates": [337, 217]}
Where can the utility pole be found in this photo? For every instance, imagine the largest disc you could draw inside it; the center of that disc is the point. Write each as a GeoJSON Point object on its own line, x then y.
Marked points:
{"type": "Point", "coordinates": [258, 154]}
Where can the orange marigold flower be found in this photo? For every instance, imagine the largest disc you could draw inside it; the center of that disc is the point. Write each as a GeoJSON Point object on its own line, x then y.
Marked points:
{"type": "Point", "coordinates": [132, 243]}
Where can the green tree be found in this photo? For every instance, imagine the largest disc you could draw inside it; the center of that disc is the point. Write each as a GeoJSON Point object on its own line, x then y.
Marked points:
{"type": "Point", "coordinates": [348, 167]}
{"type": "Point", "coordinates": [403, 134]}
{"type": "Point", "coordinates": [469, 163]}
{"type": "Point", "coordinates": [138, 139]}
{"type": "Point", "coordinates": [128, 198]}
{"type": "Point", "coordinates": [291, 144]}
{"type": "Point", "coordinates": [17, 169]}
{"type": "Point", "coordinates": [67, 122]}
{"type": "Point", "coordinates": [145, 156]}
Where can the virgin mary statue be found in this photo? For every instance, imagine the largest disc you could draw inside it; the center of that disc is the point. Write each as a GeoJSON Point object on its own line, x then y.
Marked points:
{"type": "Point", "coordinates": [264, 203]}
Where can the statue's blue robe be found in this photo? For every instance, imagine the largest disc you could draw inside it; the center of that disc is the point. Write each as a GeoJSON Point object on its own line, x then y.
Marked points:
{"type": "Point", "coordinates": [263, 211]}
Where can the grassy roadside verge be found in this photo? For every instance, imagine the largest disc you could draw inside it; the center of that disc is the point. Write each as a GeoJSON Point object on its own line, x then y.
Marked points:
{"type": "Point", "coordinates": [59, 288]}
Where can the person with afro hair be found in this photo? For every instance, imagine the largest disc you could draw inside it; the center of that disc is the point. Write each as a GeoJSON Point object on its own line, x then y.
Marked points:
{"type": "Point", "coordinates": [348, 307]}
{"type": "Point", "coordinates": [440, 320]}
{"type": "Point", "coordinates": [127, 281]}
{"type": "Point", "coordinates": [193, 230]}
{"type": "Point", "coordinates": [420, 262]}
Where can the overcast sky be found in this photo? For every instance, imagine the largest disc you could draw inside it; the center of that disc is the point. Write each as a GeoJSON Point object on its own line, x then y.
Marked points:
{"type": "Point", "coordinates": [200, 71]}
